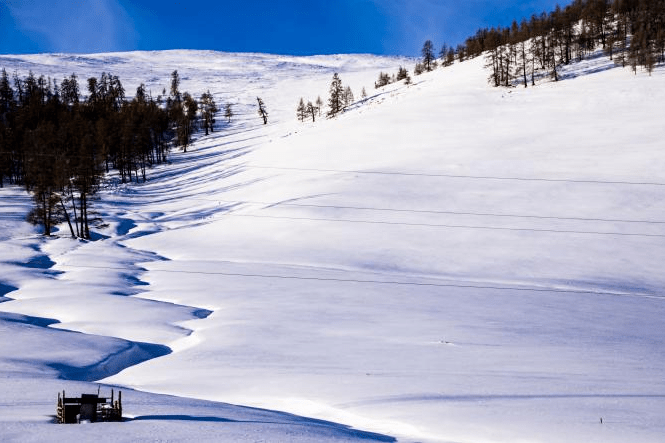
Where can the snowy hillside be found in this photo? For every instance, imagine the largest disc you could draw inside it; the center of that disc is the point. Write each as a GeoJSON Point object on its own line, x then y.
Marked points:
{"type": "Point", "coordinates": [443, 262]}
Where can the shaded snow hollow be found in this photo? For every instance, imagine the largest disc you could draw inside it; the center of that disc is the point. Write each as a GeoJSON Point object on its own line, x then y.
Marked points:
{"type": "Point", "coordinates": [443, 262]}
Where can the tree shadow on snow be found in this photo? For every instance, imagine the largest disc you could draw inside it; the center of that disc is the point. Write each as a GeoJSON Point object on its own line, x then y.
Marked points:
{"type": "Point", "coordinates": [182, 418]}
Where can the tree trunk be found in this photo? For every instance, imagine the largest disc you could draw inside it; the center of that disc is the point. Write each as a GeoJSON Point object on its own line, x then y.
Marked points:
{"type": "Point", "coordinates": [69, 222]}
{"type": "Point", "coordinates": [45, 216]}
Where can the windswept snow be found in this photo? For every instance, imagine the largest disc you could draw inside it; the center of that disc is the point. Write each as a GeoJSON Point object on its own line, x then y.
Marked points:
{"type": "Point", "coordinates": [443, 262]}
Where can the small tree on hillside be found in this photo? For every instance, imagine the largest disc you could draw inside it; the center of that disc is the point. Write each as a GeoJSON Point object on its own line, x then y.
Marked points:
{"type": "Point", "coordinates": [319, 105]}
{"type": "Point", "coordinates": [443, 53]}
{"type": "Point", "coordinates": [384, 79]}
{"type": "Point", "coordinates": [402, 74]}
{"type": "Point", "coordinates": [300, 111]}
{"type": "Point", "coordinates": [228, 112]}
{"type": "Point", "coordinates": [208, 111]}
{"type": "Point", "coordinates": [348, 96]}
{"type": "Point", "coordinates": [310, 111]}
{"type": "Point", "coordinates": [263, 112]}
{"type": "Point", "coordinates": [428, 55]}
{"type": "Point", "coordinates": [336, 100]}
{"type": "Point", "coordinates": [175, 85]}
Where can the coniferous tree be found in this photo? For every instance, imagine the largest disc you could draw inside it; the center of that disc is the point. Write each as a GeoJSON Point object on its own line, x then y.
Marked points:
{"type": "Point", "coordinates": [175, 85]}
{"type": "Point", "coordinates": [336, 100]}
{"type": "Point", "coordinates": [301, 110]}
{"type": "Point", "coordinates": [263, 112]}
{"type": "Point", "coordinates": [319, 105]}
{"type": "Point", "coordinates": [384, 79]}
{"type": "Point", "coordinates": [402, 74]}
{"type": "Point", "coordinates": [228, 112]}
{"type": "Point", "coordinates": [310, 111]}
{"type": "Point", "coordinates": [443, 54]}
{"type": "Point", "coordinates": [208, 111]}
{"type": "Point", "coordinates": [348, 96]}
{"type": "Point", "coordinates": [428, 55]}
{"type": "Point", "coordinates": [450, 58]}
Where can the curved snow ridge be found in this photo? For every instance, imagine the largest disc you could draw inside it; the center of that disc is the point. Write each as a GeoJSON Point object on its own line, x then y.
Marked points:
{"type": "Point", "coordinates": [4, 290]}
{"type": "Point", "coordinates": [133, 354]}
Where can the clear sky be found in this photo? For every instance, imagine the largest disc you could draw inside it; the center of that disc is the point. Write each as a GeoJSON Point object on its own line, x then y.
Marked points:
{"type": "Point", "coordinates": [274, 26]}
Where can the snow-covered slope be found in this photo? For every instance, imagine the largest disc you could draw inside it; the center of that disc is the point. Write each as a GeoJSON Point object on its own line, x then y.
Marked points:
{"type": "Point", "coordinates": [442, 262]}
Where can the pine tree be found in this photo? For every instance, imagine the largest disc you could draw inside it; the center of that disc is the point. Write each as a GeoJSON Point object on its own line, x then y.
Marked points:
{"type": "Point", "coordinates": [443, 54]}
{"type": "Point", "coordinates": [319, 105]}
{"type": "Point", "coordinates": [175, 86]}
{"type": "Point", "coordinates": [336, 100]}
{"type": "Point", "coordinates": [348, 96]}
{"type": "Point", "coordinates": [428, 55]}
{"type": "Point", "coordinates": [263, 113]}
{"type": "Point", "coordinates": [310, 111]}
{"type": "Point", "coordinates": [208, 111]}
{"type": "Point", "coordinates": [300, 111]}
{"type": "Point", "coordinates": [6, 94]}
{"type": "Point", "coordinates": [228, 112]}
{"type": "Point", "coordinates": [384, 79]}
{"type": "Point", "coordinates": [69, 90]}
{"type": "Point", "coordinates": [402, 73]}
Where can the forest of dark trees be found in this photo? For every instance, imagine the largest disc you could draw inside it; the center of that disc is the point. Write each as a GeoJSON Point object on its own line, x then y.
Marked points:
{"type": "Point", "coordinates": [59, 145]}
{"type": "Point", "coordinates": [631, 32]}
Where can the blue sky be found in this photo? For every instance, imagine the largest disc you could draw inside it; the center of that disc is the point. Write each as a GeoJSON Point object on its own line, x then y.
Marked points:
{"type": "Point", "coordinates": [282, 26]}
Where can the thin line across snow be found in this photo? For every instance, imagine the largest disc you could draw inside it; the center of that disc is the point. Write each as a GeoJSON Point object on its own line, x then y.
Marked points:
{"type": "Point", "coordinates": [437, 225]}
{"type": "Point", "coordinates": [380, 282]}
{"type": "Point", "coordinates": [442, 212]}
{"type": "Point", "coordinates": [470, 177]}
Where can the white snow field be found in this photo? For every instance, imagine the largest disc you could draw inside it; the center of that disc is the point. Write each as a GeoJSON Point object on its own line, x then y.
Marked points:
{"type": "Point", "coordinates": [443, 262]}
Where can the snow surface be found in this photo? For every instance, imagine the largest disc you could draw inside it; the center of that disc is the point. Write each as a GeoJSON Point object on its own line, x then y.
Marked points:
{"type": "Point", "coordinates": [443, 262]}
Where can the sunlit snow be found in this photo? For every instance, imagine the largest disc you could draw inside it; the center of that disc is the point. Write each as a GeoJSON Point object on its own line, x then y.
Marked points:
{"type": "Point", "coordinates": [444, 261]}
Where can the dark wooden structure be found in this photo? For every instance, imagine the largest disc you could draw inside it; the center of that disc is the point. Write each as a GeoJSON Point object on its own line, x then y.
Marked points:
{"type": "Point", "coordinates": [89, 408]}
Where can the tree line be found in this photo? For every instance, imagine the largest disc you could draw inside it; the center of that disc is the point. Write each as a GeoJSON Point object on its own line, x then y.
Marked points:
{"type": "Point", "coordinates": [59, 144]}
{"type": "Point", "coordinates": [631, 32]}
